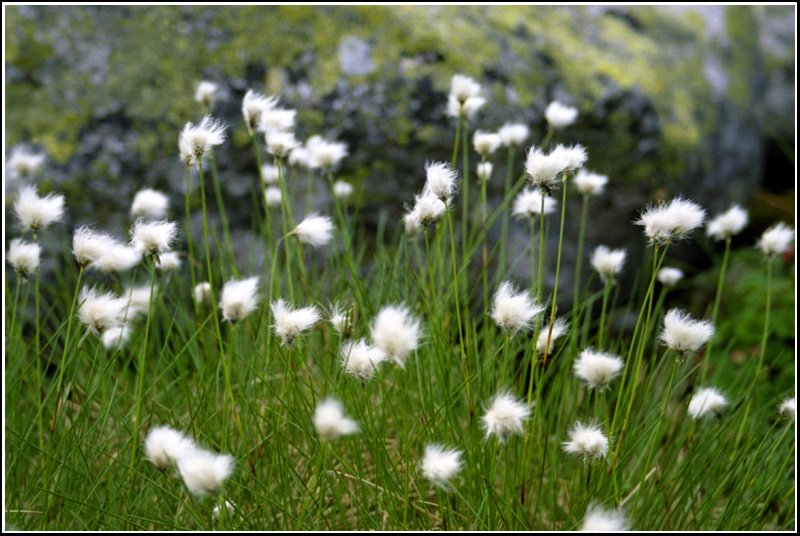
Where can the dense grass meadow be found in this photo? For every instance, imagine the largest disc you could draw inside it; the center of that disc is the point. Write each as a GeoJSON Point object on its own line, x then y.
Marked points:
{"type": "Point", "coordinates": [333, 376]}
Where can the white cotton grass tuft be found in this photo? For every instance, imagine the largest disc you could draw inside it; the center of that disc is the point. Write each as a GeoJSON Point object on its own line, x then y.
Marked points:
{"type": "Point", "coordinates": [24, 257]}
{"type": "Point", "coordinates": [441, 180]}
{"type": "Point", "coordinates": [197, 141]}
{"type": "Point", "coordinates": [597, 369]}
{"type": "Point", "coordinates": [485, 143]}
{"type": "Point", "coordinates": [118, 258]}
{"type": "Point", "coordinates": [528, 204]}
{"type": "Point", "coordinates": [206, 93]}
{"type": "Point", "coordinates": [590, 183]}
{"type": "Point", "coordinates": [271, 174]}
{"type": "Point", "coordinates": [396, 332]}
{"type": "Point", "coordinates": [239, 299]}
{"type": "Point", "coordinates": [682, 334]}
{"type": "Point", "coordinates": [359, 359]}
{"type": "Point", "coordinates": [671, 221]}
{"type": "Point", "coordinates": [588, 441]}
{"type": "Point", "coordinates": [253, 105]}
{"type": "Point", "coordinates": [506, 415]}
{"type": "Point", "coordinates": [513, 134]}
{"type": "Point", "coordinates": [669, 277]}
{"type": "Point", "coordinates": [204, 472]}
{"type": "Point", "coordinates": [427, 209]}
{"type": "Point", "coordinates": [560, 115]}
{"type": "Point", "coordinates": [289, 323]}
{"type": "Point", "coordinates": [23, 163]}
{"type": "Point", "coordinates": [463, 87]}
{"type": "Point", "coordinates": [324, 154]}
{"type": "Point", "coordinates": [546, 169]}
{"type": "Point", "coordinates": [776, 239]}
{"type": "Point", "coordinates": [116, 338]}
{"type": "Point", "coordinates": [466, 109]}
{"type": "Point", "coordinates": [729, 223]}
{"type": "Point", "coordinates": [412, 223]}
{"type": "Point", "coordinates": [138, 300]}
{"type": "Point", "coordinates": [153, 237]}
{"type": "Point", "coordinates": [598, 519]}
{"type": "Point", "coordinates": [440, 465]}
{"type": "Point", "coordinates": [276, 120]}
{"type": "Point", "coordinates": [299, 157]}
{"type": "Point", "coordinates": [339, 319]}
{"type": "Point", "coordinates": [150, 204]}
{"type": "Point", "coordinates": [273, 196]}
{"type": "Point", "coordinates": [484, 171]}
{"type": "Point", "coordinates": [560, 329]}
{"type": "Point", "coordinates": [330, 420]}
{"type": "Point", "coordinates": [608, 262]}
{"type": "Point", "coordinates": [705, 402]}
{"type": "Point", "coordinates": [280, 142]}
{"type": "Point", "coordinates": [35, 213]}
{"type": "Point", "coordinates": [100, 311]}
{"type": "Point", "coordinates": [168, 261]}
{"type": "Point", "coordinates": [314, 230]}
{"type": "Point", "coordinates": [89, 245]}
{"type": "Point", "coordinates": [342, 190]}
{"type": "Point", "coordinates": [514, 311]}
{"type": "Point", "coordinates": [202, 293]}
{"type": "Point", "coordinates": [788, 408]}
{"type": "Point", "coordinates": [164, 446]}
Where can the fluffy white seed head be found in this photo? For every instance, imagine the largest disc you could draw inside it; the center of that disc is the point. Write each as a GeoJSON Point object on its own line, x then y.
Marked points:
{"type": "Point", "coordinates": [570, 157]}
{"type": "Point", "coordinates": [608, 262]}
{"type": "Point", "coordinates": [776, 239]}
{"type": "Point", "coordinates": [597, 369]}
{"type": "Point", "coordinates": [280, 143]}
{"type": "Point", "coordinates": [277, 120]}
{"type": "Point", "coordinates": [202, 293]}
{"type": "Point", "coordinates": [24, 257]}
{"type": "Point", "coordinates": [466, 109]}
{"type": "Point", "coordinates": [728, 224]}
{"type": "Point", "coordinates": [299, 157]}
{"type": "Point", "coordinates": [528, 204]}
{"type": "Point", "coordinates": [339, 320]}
{"type": "Point", "coordinates": [359, 359]}
{"type": "Point", "coordinates": [118, 258]}
{"type": "Point", "coordinates": [270, 174]}
{"type": "Point", "coordinates": [325, 154]}
{"type": "Point", "coordinates": [485, 143]}
{"type": "Point", "coordinates": [22, 163]}
{"type": "Point", "coordinates": [168, 261]}
{"type": "Point", "coordinates": [463, 87]}
{"type": "Point", "coordinates": [484, 171]}
{"type": "Point", "coordinates": [34, 213]}
{"type": "Point", "coordinates": [314, 230]}
{"type": "Point", "coordinates": [138, 300]}
{"type": "Point", "coordinates": [427, 209]}
{"type": "Point", "coordinates": [153, 237]}
{"type": "Point", "coordinates": [253, 105]}
{"type": "Point", "coordinates": [289, 323]}
{"type": "Point", "coordinates": [682, 334]}
{"type": "Point", "coordinates": [589, 183]}
{"type": "Point", "coordinates": [273, 196]}
{"type": "Point", "coordinates": [560, 328]}
{"type": "Point", "coordinates": [513, 134]}
{"type": "Point", "coordinates": [342, 190]}
{"type": "Point", "coordinates": [101, 311]}
{"type": "Point", "coordinates": [441, 180]}
{"type": "Point", "coordinates": [545, 169]}
{"type": "Point", "coordinates": [239, 299]}
{"type": "Point", "coordinates": [514, 311]}
{"type": "Point", "coordinates": [588, 441]}
{"type": "Point", "coordinates": [669, 276]}
{"type": "Point", "coordinates": [116, 338]}
{"type": "Point", "coordinates": [788, 408]}
{"type": "Point", "coordinates": [204, 472]}
{"type": "Point", "coordinates": [668, 222]}
{"type": "Point", "coordinates": [89, 245]}
{"type": "Point", "coordinates": [206, 93]}
{"type": "Point", "coordinates": [164, 446]}
{"type": "Point", "coordinates": [197, 141]}
{"type": "Point", "coordinates": [560, 115]}
{"type": "Point", "coordinates": [330, 420]}
{"type": "Point", "coordinates": [706, 401]}
{"type": "Point", "coordinates": [150, 204]}
{"type": "Point", "coordinates": [600, 520]}
{"type": "Point", "coordinates": [439, 464]}
{"type": "Point", "coordinates": [506, 415]}
{"type": "Point", "coordinates": [396, 332]}
{"type": "Point", "coordinates": [412, 223]}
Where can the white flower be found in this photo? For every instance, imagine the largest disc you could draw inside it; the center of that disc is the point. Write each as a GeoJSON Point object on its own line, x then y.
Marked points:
{"type": "Point", "coordinates": [168, 261]}
{"type": "Point", "coordinates": [571, 157]}
{"type": "Point", "coordinates": [668, 222]}
{"type": "Point", "coordinates": [202, 293]}
{"type": "Point", "coordinates": [597, 369]}
{"type": "Point", "coordinates": [506, 415]}
{"type": "Point", "coordinates": [206, 93]}
{"type": "Point", "coordinates": [23, 163]}
{"type": "Point", "coordinates": [485, 143]}
{"type": "Point", "coordinates": [165, 445]}
{"type": "Point", "coordinates": [514, 311]}
{"type": "Point", "coordinates": [342, 190]}
{"type": "Point", "coordinates": [339, 320]}
{"type": "Point", "coordinates": [252, 107]}
{"type": "Point", "coordinates": [153, 237]}
{"type": "Point", "coordinates": [330, 420]}
{"type": "Point", "coordinates": [118, 258]}
{"type": "Point", "coordinates": [34, 213]}
{"type": "Point", "coordinates": [299, 156]}
{"type": "Point", "coordinates": [280, 143]}
{"type": "Point", "coordinates": [599, 520]}
{"type": "Point", "coordinates": [559, 115]}
{"type": "Point", "coordinates": [513, 134]}
{"type": "Point", "coordinates": [441, 180]}
{"type": "Point", "coordinates": [204, 472]}
{"type": "Point", "coordinates": [115, 338]}
{"type": "Point", "coordinates": [88, 245]}
{"type": "Point", "coordinates": [608, 262]}
{"type": "Point", "coordinates": [706, 401]}
{"type": "Point", "coordinates": [587, 440]}
{"type": "Point", "coordinates": [271, 174]}
{"type": "Point", "coordinates": [669, 276]}
{"type": "Point", "coordinates": [776, 239]}
{"type": "Point", "coordinates": [314, 230]}
{"type": "Point", "coordinates": [24, 257]}
{"type": "Point", "coordinates": [273, 196]}
{"type": "Point", "coordinates": [682, 334]}
{"type": "Point", "coordinates": [138, 300]}
{"type": "Point", "coordinates": [788, 408]}
{"type": "Point", "coordinates": [528, 204]}
{"type": "Point", "coordinates": [559, 329]}
{"type": "Point", "coordinates": [463, 87]}
{"type": "Point", "coordinates": [100, 311]}
{"type": "Point", "coordinates": [239, 299]}
{"type": "Point", "coordinates": [467, 109]}
{"type": "Point", "coordinates": [359, 359]}
{"type": "Point", "coordinates": [150, 204]}
{"type": "Point", "coordinates": [484, 171]}
{"type": "Point", "coordinates": [728, 223]}
{"type": "Point", "coordinates": [396, 332]}
{"type": "Point", "coordinates": [326, 154]}
{"type": "Point", "coordinates": [439, 465]}
{"type": "Point", "coordinates": [196, 141]}
{"type": "Point", "coordinates": [545, 169]}
{"type": "Point", "coordinates": [289, 323]}
{"type": "Point", "coordinates": [427, 209]}
{"type": "Point", "coordinates": [276, 120]}
{"type": "Point", "coordinates": [411, 222]}
{"type": "Point", "coordinates": [589, 183]}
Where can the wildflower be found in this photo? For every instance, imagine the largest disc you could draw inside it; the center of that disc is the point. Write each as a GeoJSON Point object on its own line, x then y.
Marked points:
{"type": "Point", "coordinates": [505, 416]}
{"type": "Point", "coordinates": [668, 222]}
{"type": "Point", "coordinates": [441, 180]}
{"type": "Point", "coordinates": [314, 230]}
{"type": "Point", "coordinates": [587, 440]}
{"type": "Point", "coordinates": [117, 258]}
{"type": "Point", "coordinates": [89, 245]}
{"type": "Point", "coordinates": [206, 93]}
{"type": "Point", "coordinates": [545, 169]}
{"type": "Point", "coordinates": [196, 141]}
{"type": "Point", "coordinates": [682, 334]}
{"type": "Point", "coordinates": [202, 293]}
{"type": "Point", "coordinates": [150, 204]}
{"type": "Point", "coordinates": [239, 299]}
{"type": "Point", "coordinates": [484, 171]}
{"type": "Point", "coordinates": [280, 143]}
{"type": "Point", "coordinates": [589, 183]}
{"type": "Point", "coordinates": [330, 420]}
{"type": "Point", "coordinates": [339, 320]}
{"type": "Point", "coordinates": [776, 239]}
{"type": "Point", "coordinates": [342, 190]}
{"type": "Point", "coordinates": [485, 143]}
{"type": "Point", "coordinates": [34, 213]}
{"type": "Point", "coordinates": [326, 154]}
{"type": "Point", "coordinates": [706, 401]}
{"type": "Point", "coordinates": [168, 261]}
{"type": "Point", "coordinates": [273, 196]}
{"type": "Point", "coordinates": [608, 262]}
{"type": "Point", "coordinates": [23, 163]}
{"type": "Point", "coordinates": [427, 209]}
{"type": "Point", "coordinates": [138, 301]}
{"type": "Point", "coordinates": [599, 520]}
{"type": "Point", "coordinates": [359, 359]}
{"type": "Point", "coordinates": [513, 134]}
{"type": "Point", "coordinates": [559, 329]}
{"type": "Point", "coordinates": [153, 237]}
{"type": "Point", "coordinates": [24, 257]}
{"type": "Point", "coordinates": [271, 174]}
{"type": "Point", "coordinates": [529, 204]}
{"type": "Point", "coordinates": [571, 157]}
{"type": "Point", "coordinates": [559, 115]}
{"type": "Point", "coordinates": [396, 333]}
{"type": "Point", "coordinates": [276, 120]}
{"type": "Point", "coordinates": [514, 311]}
{"type": "Point", "coordinates": [100, 311]}
{"type": "Point", "coordinates": [439, 464]}
{"type": "Point", "coordinates": [463, 87]}
{"type": "Point", "coordinates": [466, 109]}
{"type": "Point", "coordinates": [788, 408]}
{"type": "Point", "coordinates": [597, 369]}
{"type": "Point", "coordinates": [253, 105]}
{"type": "Point", "coordinates": [669, 276]}
{"type": "Point", "coordinates": [728, 223]}
{"type": "Point", "coordinates": [411, 221]}
{"type": "Point", "coordinates": [289, 323]}
{"type": "Point", "coordinates": [116, 338]}
{"type": "Point", "coordinates": [300, 156]}
{"type": "Point", "coordinates": [204, 472]}
{"type": "Point", "coordinates": [165, 445]}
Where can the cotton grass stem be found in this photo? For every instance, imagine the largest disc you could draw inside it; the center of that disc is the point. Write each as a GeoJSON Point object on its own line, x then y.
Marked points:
{"type": "Point", "coordinates": [188, 225]}
{"type": "Point", "coordinates": [715, 310]}
{"type": "Point", "coordinates": [558, 270]}
{"type": "Point", "coordinates": [456, 292]}
{"type": "Point", "coordinates": [63, 363]}
{"type": "Point", "coordinates": [506, 214]}
{"type": "Point", "coordinates": [213, 293]}
{"type": "Point", "coordinates": [576, 291]}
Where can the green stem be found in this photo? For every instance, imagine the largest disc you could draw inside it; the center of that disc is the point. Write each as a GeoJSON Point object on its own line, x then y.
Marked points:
{"type": "Point", "coordinates": [506, 214]}
{"type": "Point", "coordinates": [213, 287]}
{"type": "Point", "coordinates": [456, 292]}
{"type": "Point", "coordinates": [576, 291]}
{"type": "Point", "coordinates": [286, 216]}
{"type": "Point", "coordinates": [223, 215]}
{"type": "Point", "coordinates": [62, 364]}
{"type": "Point", "coordinates": [453, 160]}
{"type": "Point", "coordinates": [485, 251]}
{"type": "Point", "coordinates": [554, 307]}
{"type": "Point", "coordinates": [37, 365]}
{"type": "Point", "coordinates": [715, 310]}
{"type": "Point", "coordinates": [189, 241]}
{"type": "Point", "coordinates": [465, 191]}
{"type": "Point", "coordinates": [602, 327]}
